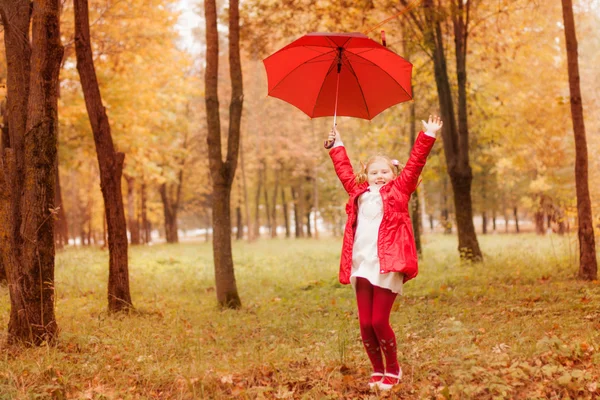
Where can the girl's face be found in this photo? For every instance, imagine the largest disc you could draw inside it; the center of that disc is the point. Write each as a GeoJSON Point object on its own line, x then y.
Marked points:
{"type": "Point", "coordinates": [379, 173]}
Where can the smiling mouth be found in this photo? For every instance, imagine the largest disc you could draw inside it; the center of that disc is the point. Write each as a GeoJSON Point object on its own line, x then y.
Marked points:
{"type": "Point", "coordinates": [380, 182]}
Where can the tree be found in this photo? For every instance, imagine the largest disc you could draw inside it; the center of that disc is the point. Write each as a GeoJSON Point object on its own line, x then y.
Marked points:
{"type": "Point", "coordinates": [455, 132]}
{"type": "Point", "coordinates": [170, 194]}
{"type": "Point", "coordinates": [223, 172]}
{"type": "Point", "coordinates": [27, 167]}
{"type": "Point", "coordinates": [110, 164]}
{"type": "Point", "coordinates": [588, 267]}
{"type": "Point", "coordinates": [61, 227]}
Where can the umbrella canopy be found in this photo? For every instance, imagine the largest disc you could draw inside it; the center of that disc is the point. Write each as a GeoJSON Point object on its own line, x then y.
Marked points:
{"type": "Point", "coordinates": [346, 74]}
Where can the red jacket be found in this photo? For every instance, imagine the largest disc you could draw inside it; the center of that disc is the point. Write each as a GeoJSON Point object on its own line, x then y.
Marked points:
{"type": "Point", "coordinates": [396, 243]}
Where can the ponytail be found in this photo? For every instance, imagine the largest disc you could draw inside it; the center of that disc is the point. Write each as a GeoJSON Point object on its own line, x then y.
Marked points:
{"type": "Point", "coordinates": [361, 175]}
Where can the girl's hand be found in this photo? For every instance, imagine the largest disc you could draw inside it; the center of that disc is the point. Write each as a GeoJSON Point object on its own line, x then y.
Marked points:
{"type": "Point", "coordinates": [334, 139]}
{"type": "Point", "coordinates": [434, 124]}
{"type": "Point", "coordinates": [334, 134]}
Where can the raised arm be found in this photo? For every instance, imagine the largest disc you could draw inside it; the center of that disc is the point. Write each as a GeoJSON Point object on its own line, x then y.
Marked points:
{"type": "Point", "coordinates": [341, 162]}
{"type": "Point", "coordinates": [409, 177]}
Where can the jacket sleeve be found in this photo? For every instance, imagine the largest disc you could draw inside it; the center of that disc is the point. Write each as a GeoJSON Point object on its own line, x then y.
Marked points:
{"type": "Point", "coordinates": [409, 177]}
{"type": "Point", "coordinates": [343, 167]}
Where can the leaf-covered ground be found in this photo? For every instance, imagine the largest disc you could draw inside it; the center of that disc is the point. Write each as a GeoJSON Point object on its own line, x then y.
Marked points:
{"type": "Point", "coordinates": [518, 326]}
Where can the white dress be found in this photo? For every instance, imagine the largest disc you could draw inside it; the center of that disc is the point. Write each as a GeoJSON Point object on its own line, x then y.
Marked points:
{"type": "Point", "coordinates": [365, 261]}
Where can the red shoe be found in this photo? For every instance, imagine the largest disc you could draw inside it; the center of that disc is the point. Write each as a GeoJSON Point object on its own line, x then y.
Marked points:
{"type": "Point", "coordinates": [390, 380]}
{"type": "Point", "coordinates": [376, 378]}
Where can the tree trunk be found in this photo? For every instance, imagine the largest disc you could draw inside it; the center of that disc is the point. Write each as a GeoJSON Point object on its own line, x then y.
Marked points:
{"type": "Point", "coordinates": [516, 215]}
{"type": "Point", "coordinates": [445, 213]}
{"type": "Point", "coordinates": [170, 214]}
{"type": "Point", "coordinates": [89, 213]}
{"type": "Point", "coordinates": [222, 172]}
{"type": "Point", "coordinates": [4, 143]}
{"type": "Point", "coordinates": [274, 202]}
{"type": "Point", "coordinates": [239, 234]}
{"type": "Point", "coordinates": [257, 201]}
{"type": "Point", "coordinates": [18, 57]}
{"type": "Point", "coordinates": [588, 265]}
{"type": "Point", "coordinates": [286, 217]}
{"type": "Point", "coordinates": [414, 201]}
{"type": "Point", "coordinates": [227, 294]}
{"type": "Point", "coordinates": [484, 221]}
{"type": "Point", "coordinates": [538, 218]}
{"type": "Point", "coordinates": [455, 133]}
{"type": "Point", "coordinates": [27, 166]}
{"type": "Point", "coordinates": [170, 195]}
{"type": "Point", "coordinates": [4, 135]}
{"type": "Point", "coordinates": [484, 205]}
{"type": "Point", "coordinates": [308, 227]}
{"type": "Point", "coordinates": [301, 209]}
{"type": "Point", "coordinates": [61, 226]}
{"type": "Point", "coordinates": [82, 223]}
{"type": "Point", "coordinates": [467, 240]}
{"type": "Point", "coordinates": [132, 221]}
{"type": "Point", "coordinates": [559, 216]}
{"type": "Point", "coordinates": [267, 207]}
{"type": "Point", "coordinates": [494, 220]}
{"type": "Point", "coordinates": [208, 225]}
{"type": "Point", "coordinates": [146, 234]}
{"type": "Point", "coordinates": [297, 213]}
{"type": "Point", "coordinates": [110, 164]}
{"type": "Point", "coordinates": [245, 190]}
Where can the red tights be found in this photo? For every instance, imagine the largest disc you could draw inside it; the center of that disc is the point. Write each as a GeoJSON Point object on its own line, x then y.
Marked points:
{"type": "Point", "coordinates": [374, 308]}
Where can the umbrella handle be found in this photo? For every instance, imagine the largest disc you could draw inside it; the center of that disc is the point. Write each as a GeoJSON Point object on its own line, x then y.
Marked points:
{"type": "Point", "coordinates": [329, 143]}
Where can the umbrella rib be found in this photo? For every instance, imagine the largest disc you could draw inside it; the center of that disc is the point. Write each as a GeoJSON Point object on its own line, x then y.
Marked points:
{"type": "Point", "coordinates": [359, 86]}
{"type": "Point", "coordinates": [321, 89]}
{"type": "Point", "coordinates": [372, 63]}
{"type": "Point", "coordinates": [301, 64]}
{"type": "Point", "coordinates": [349, 66]}
{"type": "Point", "coordinates": [336, 45]}
{"type": "Point", "coordinates": [329, 71]}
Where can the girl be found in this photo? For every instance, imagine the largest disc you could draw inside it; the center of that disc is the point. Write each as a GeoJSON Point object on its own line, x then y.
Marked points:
{"type": "Point", "coordinates": [378, 250]}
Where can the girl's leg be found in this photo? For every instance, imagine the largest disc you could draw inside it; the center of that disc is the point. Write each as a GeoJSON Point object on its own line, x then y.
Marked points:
{"type": "Point", "coordinates": [383, 300]}
{"type": "Point", "coordinates": [364, 300]}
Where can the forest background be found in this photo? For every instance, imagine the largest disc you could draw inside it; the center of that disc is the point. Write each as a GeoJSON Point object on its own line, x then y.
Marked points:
{"type": "Point", "coordinates": [519, 120]}
{"type": "Point", "coordinates": [521, 152]}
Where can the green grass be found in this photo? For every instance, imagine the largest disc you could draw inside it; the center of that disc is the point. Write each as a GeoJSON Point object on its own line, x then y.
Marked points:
{"type": "Point", "coordinates": [517, 326]}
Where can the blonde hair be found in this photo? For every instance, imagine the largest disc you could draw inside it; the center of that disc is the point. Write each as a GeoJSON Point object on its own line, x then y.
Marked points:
{"type": "Point", "coordinates": [361, 175]}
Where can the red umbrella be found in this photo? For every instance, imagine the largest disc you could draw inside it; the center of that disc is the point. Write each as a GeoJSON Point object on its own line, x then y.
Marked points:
{"type": "Point", "coordinates": [330, 74]}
